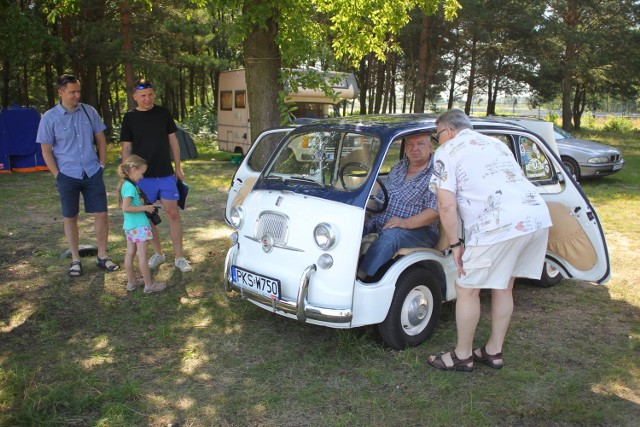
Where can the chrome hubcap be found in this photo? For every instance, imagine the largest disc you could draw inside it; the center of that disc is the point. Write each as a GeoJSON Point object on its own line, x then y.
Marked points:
{"type": "Point", "coordinates": [416, 310]}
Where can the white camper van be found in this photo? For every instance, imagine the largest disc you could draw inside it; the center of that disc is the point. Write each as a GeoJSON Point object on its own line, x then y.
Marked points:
{"type": "Point", "coordinates": [234, 134]}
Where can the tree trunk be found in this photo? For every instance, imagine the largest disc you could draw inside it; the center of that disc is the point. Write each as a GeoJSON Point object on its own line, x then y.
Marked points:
{"type": "Point", "coordinates": [25, 86]}
{"type": "Point", "coordinates": [387, 87]}
{"type": "Point", "coordinates": [90, 86]}
{"type": "Point", "coordinates": [380, 78]}
{"type": "Point", "coordinates": [192, 85]}
{"type": "Point", "coordinates": [49, 80]}
{"type": "Point", "coordinates": [107, 116]}
{"type": "Point", "coordinates": [66, 33]}
{"type": "Point", "coordinates": [492, 94]}
{"type": "Point", "coordinates": [422, 79]}
{"type": "Point", "coordinates": [371, 82]}
{"type": "Point", "coordinates": [127, 50]}
{"type": "Point", "coordinates": [452, 80]}
{"type": "Point", "coordinates": [393, 70]}
{"type": "Point", "coordinates": [472, 75]}
{"type": "Point", "coordinates": [571, 21]}
{"type": "Point", "coordinates": [214, 84]}
{"type": "Point", "coordinates": [579, 105]}
{"type": "Point", "coordinates": [182, 95]}
{"type": "Point", "coordinates": [6, 68]}
{"type": "Point", "coordinates": [361, 77]}
{"type": "Point", "coordinates": [262, 72]}
{"type": "Point", "coordinates": [566, 102]}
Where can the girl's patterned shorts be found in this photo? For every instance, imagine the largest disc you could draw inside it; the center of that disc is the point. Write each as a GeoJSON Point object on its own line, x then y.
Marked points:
{"type": "Point", "coordinates": [139, 234]}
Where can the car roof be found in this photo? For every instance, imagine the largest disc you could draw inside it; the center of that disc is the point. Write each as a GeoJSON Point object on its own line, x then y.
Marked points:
{"type": "Point", "coordinates": [392, 125]}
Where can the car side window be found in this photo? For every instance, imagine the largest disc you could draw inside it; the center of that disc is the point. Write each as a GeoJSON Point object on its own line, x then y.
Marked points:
{"type": "Point", "coordinates": [392, 157]}
{"type": "Point", "coordinates": [506, 139]}
{"type": "Point", "coordinates": [263, 151]}
{"type": "Point", "coordinates": [535, 164]}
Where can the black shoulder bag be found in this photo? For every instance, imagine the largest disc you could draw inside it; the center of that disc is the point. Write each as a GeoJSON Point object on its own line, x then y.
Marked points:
{"type": "Point", "coordinates": [154, 217]}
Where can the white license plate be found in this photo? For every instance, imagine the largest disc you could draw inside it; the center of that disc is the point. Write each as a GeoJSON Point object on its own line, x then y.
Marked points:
{"type": "Point", "coordinates": [262, 285]}
{"type": "Point", "coordinates": [618, 166]}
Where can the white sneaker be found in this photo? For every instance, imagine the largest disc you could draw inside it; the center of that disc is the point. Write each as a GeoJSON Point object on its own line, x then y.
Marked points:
{"type": "Point", "coordinates": [156, 260]}
{"type": "Point", "coordinates": [183, 265]}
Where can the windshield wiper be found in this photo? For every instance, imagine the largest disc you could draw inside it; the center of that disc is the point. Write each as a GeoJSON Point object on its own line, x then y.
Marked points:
{"type": "Point", "coordinates": [303, 179]}
{"type": "Point", "coordinates": [275, 177]}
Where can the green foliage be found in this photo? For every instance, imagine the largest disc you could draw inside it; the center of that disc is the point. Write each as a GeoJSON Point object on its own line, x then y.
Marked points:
{"type": "Point", "coordinates": [372, 25]}
{"type": "Point", "coordinates": [200, 120]}
{"type": "Point", "coordinates": [590, 122]}
{"type": "Point", "coordinates": [618, 124]}
{"type": "Point", "coordinates": [285, 109]}
{"type": "Point", "coordinates": [591, 46]}
{"type": "Point", "coordinates": [552, 117]}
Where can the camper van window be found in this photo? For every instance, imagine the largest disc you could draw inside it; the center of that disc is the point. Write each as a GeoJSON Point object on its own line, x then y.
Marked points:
{"type": "Point", "coordinates": [241, 96]}
{"type": "Point", "coordinates": [226, 100]}
{"type": "Point", "coordinates": [310, 110]}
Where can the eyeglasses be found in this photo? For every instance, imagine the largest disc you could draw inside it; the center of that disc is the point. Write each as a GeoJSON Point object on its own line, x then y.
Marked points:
{"type": "Point", "coordinates": [436, 136]}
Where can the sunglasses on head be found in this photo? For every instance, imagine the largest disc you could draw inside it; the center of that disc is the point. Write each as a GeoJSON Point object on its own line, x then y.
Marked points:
{"type": "Point", "coordinates": [144, 85]}
{"type": "Point", "coordinates": [67, 79]}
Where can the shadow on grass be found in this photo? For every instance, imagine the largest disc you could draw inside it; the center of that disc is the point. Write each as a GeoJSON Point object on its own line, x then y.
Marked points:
{"type": "Point", "coordinates": [85, 352]}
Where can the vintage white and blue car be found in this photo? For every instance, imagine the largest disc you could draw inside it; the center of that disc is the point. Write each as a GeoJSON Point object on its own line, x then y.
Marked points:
{"type": "Point", "coordinates": [299, 201]}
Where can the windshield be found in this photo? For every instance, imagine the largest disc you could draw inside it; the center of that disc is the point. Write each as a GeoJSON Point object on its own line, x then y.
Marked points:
{"type": "Point", "coordinates": [338, 160]}
{"type": "Point", "coordinates": [561, 133]}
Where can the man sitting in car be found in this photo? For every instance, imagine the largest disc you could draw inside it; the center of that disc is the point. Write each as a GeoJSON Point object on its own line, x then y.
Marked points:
{"type": "Point", "coordinates": [411, 218]}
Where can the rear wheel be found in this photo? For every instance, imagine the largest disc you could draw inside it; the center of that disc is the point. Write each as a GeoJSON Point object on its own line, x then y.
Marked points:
{"type": "Point", "coordinates": [551, 276]}
{"type": "Point", "coordinates": [414, 311]}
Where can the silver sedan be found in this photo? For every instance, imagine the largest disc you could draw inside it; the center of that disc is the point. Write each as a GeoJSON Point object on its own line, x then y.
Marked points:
{"type": "Point", "coordinates": [586, 159]}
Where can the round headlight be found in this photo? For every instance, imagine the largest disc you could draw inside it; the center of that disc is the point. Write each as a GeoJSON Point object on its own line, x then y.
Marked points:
{"type": "Point", "coordinates": [325, 236]}
{"type": "Point", "coordinates": [236, 216]}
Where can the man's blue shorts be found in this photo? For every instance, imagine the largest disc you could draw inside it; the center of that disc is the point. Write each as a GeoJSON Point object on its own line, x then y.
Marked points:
{"type": "Point", "coordinates": [160, 188]}
{"type": "Point", "coordinates": [93, 192]}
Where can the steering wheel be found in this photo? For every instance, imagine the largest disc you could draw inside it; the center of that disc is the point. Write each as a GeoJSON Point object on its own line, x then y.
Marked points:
{"type": "Point", "coordinates": [346, 165]}
{"type": "Point", "coordinates": [385, 201]}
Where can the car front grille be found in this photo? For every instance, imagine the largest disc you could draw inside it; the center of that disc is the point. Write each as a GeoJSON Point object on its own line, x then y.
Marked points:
{"type": "Point", "coordinates": [615, 158]}
{"type": "Point", "coordinates": [274, 224]}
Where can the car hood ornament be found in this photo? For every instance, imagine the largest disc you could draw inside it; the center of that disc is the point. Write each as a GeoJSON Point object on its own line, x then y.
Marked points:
{"type": "Point", "coordinates": [267, 242]}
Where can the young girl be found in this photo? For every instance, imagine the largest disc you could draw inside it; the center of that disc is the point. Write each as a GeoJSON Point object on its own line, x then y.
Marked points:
{"type": "Point", "coordinates": [136, 225]}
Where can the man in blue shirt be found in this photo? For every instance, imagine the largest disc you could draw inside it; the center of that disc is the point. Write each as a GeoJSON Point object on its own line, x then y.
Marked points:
{"type": "Point", "coordinates": [66, 135]}
{"type": "Point", "coordinates": [411, 217]}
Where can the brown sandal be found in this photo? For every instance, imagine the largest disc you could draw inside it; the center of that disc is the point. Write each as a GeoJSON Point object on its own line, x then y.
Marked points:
{"type": "Point", "coordinates": [488, 359]}
{"type": "Point", "coordinates": [458, 365]}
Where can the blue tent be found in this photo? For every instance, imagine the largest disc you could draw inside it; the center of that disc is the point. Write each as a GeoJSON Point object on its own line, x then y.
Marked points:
{"type": "Point", "coordinates": [19, 151]}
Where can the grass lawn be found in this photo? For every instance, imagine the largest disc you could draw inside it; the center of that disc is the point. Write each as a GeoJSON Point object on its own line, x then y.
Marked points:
{"type": "Point", "coordinates": [85, 352]}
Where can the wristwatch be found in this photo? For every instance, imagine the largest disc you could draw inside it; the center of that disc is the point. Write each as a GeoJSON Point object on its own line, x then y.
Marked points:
{"type": "Point", "coordinates": [455, 245]}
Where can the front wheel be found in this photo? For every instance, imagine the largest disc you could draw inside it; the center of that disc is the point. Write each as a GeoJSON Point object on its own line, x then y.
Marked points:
{"type": "Point", "coordinates": [551, 276]}
{"type": "Point", "coordinates": [573, 167]}
{"type": "Point", "coordinates": [414, 310]}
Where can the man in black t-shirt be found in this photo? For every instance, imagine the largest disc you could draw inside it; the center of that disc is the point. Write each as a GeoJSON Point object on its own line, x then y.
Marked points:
{"type": "Point", "coordinates": [150, 132]}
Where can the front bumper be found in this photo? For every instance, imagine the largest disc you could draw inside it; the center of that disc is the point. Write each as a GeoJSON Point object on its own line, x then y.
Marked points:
{"type": "Point", "coordinates": [600, 169]}
{"type": "Point", "coordinates": [300, 308]}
